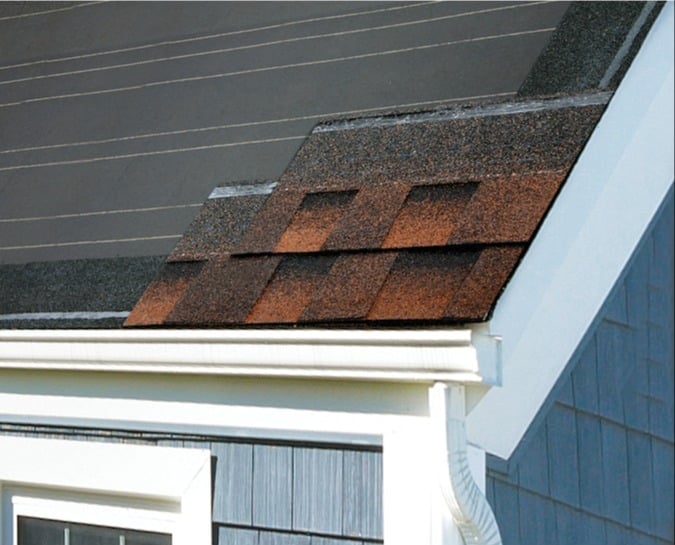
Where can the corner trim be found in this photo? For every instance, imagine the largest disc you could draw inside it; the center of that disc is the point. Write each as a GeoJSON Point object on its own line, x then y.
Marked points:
{"type": "Point", "coordinates": [467, 504]}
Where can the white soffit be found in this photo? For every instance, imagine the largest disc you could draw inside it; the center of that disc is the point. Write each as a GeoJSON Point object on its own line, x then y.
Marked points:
{"type": "Point", "coordinates": [604, 208]}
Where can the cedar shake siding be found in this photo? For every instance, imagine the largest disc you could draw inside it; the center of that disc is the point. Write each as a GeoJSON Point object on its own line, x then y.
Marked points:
{"type": "Point", "coordinates": [596, 467]}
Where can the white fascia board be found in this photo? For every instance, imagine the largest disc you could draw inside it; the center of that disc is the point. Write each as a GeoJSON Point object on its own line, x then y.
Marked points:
{"type": "Point", "coordinates": [402, 355]}
{"type": "Point", "coordinates": [586, 240]}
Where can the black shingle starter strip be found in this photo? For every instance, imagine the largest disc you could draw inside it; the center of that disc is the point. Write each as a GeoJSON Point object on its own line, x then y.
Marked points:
{"type": "Point", "coordinates": [89, 285]}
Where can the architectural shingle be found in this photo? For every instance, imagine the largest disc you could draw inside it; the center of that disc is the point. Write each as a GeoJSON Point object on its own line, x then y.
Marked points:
{"type": "Point", "coordinates": [417, 218]}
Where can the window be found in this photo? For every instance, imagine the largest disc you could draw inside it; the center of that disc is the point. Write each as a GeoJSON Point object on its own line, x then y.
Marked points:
{"type": "Point", "coordinates": [35, 531]}
{"type": "Point", "coordinates": [120, 494]}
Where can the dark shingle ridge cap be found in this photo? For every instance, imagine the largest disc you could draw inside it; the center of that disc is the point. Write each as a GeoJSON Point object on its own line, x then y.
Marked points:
{"type": "Point", "coordinates": [481, 110]}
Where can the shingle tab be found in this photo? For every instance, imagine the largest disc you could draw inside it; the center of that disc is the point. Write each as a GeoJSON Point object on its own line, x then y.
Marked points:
{"type": "Point", "coordinates": [290, 290]}
{"type": "Point", "coordinates": [237, 536]}
{"type": "Point", "coordinates": [640, 481]}
{"type": "Point", "coordinates": [367, 221]}
{"type": "Point", "coordinates": [507, 209]}
{"type": "Point", "coordinates": [314, 221]}
{"type": "Point", "coordinates": [533, 474]}
{"type": "Point", "coordinates": [484, 283]}
{"type": "Point", "coordinates": [507, 511]}
{"type": "Point", "coordinates": [619, 535]}
{"type": "Point", "coordinates": [661, 419]}
{"type": "Point", "coordinates": [585, 378]}
{"type": "Point", "coordinates": [270, 222]}
{"type": "Point", "coordinates": [224, 291]}
{"type": "Point", "coordinates": [349, 290]}
{"type": "Point", "coordinates": [636, 400]}
{"type": "Point", "coordinates": [534, 508]}
{"type": "Point", "coordinates": [429, 214]}
{"type": "Point", "coordinates": [576, 528]}
{"type": "Point", "coordinates": [163, 293]}
{"type": "Point", "coordinates": [564, 392]}
{"type": "Point", "coordinates": [421, 284]}
{"type": "Point", "coordinates": [218, 227]}
{"type": "Point", "coordinates": [664, 475]}
{"type": "Point", "coordinates": [277, 538]}
{"type": "Point", "coordinates": [614, 366]}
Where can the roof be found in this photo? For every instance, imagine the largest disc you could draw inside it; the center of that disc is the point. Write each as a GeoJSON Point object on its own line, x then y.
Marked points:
{"type": "Point", "coordinates": [113, 139]}
{"type": "Point", "coordinates": [417, 218]}
{"type": "Point", "coordinates": [142, 118]}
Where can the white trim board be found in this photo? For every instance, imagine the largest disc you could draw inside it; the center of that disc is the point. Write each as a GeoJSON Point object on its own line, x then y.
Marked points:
{"type": "Point", "coordinates": [413, 509]}
{"type": "Point", "coordinates": [159, 488]}
{"type": "Point", "coordinates": [593, 228]}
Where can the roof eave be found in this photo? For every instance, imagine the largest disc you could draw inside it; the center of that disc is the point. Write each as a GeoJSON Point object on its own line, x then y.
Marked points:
{"type": "Point", "coordinates": [406, 355]}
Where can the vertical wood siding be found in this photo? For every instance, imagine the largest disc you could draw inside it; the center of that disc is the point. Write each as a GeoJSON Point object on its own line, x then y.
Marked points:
{"type": "Point", "coordinates": [317, 490]}
{"type": "Point", "coordinates": [273, 486]}
{"type": "Point", "coordinates": [233, 483]}
{"type": "Point", "coordinates": [362, 494]}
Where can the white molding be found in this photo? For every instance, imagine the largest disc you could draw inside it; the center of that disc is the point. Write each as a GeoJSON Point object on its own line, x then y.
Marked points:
{"type": "Point", "coordinates": [595, 224]}
{"type": "Point", "coordinates": [111, 480]}
{"type": "Point", "coordinates": [31, 502]}
{"type": "Point", "coordinates": [403, 355]}
{"type": "Point", "coordinates": [203, 418]}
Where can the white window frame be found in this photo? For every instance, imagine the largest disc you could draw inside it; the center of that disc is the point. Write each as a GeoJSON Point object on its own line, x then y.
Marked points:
{"type": "Point", "coordinates": [146, 488]}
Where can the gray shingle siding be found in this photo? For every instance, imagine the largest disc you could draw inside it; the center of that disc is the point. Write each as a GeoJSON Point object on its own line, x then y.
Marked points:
{"type": "Point", "coordinates": [271, 494]}
{"type": "Point", "coordinates": [596, 467]}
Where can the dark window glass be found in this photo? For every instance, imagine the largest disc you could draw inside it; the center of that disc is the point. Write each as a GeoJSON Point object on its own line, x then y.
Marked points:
{"type": "Point", "coordinates": [34, 531]}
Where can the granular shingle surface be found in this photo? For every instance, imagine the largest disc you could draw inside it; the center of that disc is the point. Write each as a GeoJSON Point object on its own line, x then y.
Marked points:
{"type": "Point", "coordinates": [416, 219]}
{"type": "Point", "coordinates": [429, 215]}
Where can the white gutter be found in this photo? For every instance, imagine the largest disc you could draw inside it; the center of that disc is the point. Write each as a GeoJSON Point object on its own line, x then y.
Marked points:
{"type": "Point", "coordinates": [468, 506]}
{"type": "Point", "coordinates": [391, 355]}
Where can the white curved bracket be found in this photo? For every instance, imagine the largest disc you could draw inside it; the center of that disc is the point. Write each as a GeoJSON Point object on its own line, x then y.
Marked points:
{"type": "Point", "coordinates": [468, 506]}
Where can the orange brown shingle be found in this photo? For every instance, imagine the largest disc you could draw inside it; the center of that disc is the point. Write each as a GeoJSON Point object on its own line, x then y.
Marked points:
{"type": "Point", "coordinates": [290, 290]}
{"type": "Point", "coordinates": [429, 215]}
{"type": "Point", "coordinates": [314, 221]}
{"type": "Point", "coordinates": [421, 284]}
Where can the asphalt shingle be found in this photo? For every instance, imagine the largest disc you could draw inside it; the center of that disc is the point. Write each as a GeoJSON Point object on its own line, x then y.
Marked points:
{"type": "Point", "coordinates": [420, 218]}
